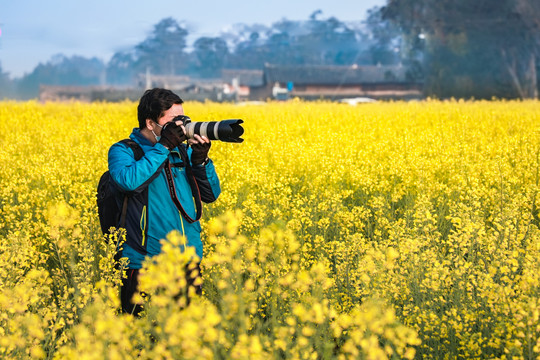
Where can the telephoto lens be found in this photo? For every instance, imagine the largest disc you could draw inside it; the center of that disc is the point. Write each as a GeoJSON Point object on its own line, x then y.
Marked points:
{"type": "Point", "coordinates": [228, 130]}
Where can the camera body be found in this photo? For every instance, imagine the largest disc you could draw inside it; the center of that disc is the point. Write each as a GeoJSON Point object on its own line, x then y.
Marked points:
{"type": "Point", "coordinates": [228, 130]}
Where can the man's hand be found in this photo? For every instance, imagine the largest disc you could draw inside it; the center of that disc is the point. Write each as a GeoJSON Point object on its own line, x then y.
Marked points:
{"type": "Point", "coordinates": [200, 146]}
{"type": "Point", "coordinates": [172, 135]}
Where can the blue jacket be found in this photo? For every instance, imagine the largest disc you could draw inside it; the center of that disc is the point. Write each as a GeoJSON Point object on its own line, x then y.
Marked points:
{"type": "Point", "coordinates": [151, 213]}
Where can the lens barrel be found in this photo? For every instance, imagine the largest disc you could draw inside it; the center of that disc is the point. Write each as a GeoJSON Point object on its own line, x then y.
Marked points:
{"type": "Point", "coordinates": [225, 130]}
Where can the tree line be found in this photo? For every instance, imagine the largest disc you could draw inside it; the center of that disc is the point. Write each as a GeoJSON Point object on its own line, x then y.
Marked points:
{"type": "Point", "coordinates": [165, 51]}
{"type": "Point", "coordinates": [456, 48]}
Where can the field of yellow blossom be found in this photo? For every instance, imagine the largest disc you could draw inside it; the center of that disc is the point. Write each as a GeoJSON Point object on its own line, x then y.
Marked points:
{"type": "Point", "coordinates": [381, 231]}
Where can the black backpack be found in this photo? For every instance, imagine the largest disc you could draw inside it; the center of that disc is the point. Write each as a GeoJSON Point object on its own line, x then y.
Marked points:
{"type": "Point", "coordinates": [110, 214]}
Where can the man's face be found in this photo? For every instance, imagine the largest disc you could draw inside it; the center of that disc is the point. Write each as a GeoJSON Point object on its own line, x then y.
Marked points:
{"type": "Point", "coordinates": [168, 115]}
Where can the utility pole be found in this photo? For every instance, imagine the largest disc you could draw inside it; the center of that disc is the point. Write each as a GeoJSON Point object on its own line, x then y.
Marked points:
{"type": "Point", "coordinates": [148, 79]}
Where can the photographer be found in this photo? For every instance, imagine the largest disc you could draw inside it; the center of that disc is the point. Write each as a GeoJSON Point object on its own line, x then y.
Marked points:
{"type": "Point", "coordinates": [164, 187]}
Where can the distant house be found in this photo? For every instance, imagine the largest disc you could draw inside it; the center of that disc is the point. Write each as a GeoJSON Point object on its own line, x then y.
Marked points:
{"type": "Point", "coordinates": [150, 81]}
{"type": "Point", "coordinates": [238, 83]}
{"type": "Point", "coordinates": [189, 89]}
{"type": "Point", "coordinates": [87, 93]}
{"type": "Point", "coordinates": [338, 82]}
{"type": "Point", "coordinates": [65, 93]}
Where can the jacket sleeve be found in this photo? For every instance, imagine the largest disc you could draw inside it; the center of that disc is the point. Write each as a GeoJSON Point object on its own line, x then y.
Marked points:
{"type": "Point", "coordinates": [131, 175]}
{"type": "Point", "coordinates": [207, 181]}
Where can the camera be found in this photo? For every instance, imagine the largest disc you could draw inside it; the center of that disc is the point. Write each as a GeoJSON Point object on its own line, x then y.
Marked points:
{"type": "Point", "coordinates": [228, 130]}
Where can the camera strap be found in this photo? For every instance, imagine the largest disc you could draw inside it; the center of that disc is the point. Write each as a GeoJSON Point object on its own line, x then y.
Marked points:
{"type": "Point", "coordinates": [192, 183]}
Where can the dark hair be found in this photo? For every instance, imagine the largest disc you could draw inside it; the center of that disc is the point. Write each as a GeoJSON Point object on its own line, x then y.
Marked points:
{"type": "Point", "coordinates": [154, 103]}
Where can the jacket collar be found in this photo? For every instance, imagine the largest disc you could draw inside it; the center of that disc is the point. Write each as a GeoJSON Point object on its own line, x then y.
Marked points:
{"type": "Point", "coordinates": [138, 137]}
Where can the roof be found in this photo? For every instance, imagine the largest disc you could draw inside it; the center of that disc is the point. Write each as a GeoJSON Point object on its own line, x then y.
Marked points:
{"type": "Point", "coordinates": [244, 76]}
{"type": "Point", "coordinates": [332, 75]}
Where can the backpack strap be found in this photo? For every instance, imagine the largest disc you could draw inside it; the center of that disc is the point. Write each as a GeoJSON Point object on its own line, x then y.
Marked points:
{"type": "Point", "coordinates": [124, 212]}
{"type": "Point", "coordinates": [138, 153]}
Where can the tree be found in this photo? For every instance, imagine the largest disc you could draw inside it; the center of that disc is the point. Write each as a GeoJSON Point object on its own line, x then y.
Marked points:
{"type": "Point", "coordinates": [385, 38]}
{"type": "Point", "coordinates": [121, 69]}
{"type": "Point", "coordinates": [247, 46]}
{"type": "Point", "coordinates": [163, 51]}
{"type": "Point", "coordinates": [479, 48]}
{"type": "Point", "coordinates": [6, 85]}
{"type": "Point", "coordinates": [529, 10]}
{"type": "Point", "coordinates": [328, 42]}
{"type": "Point", "coordinates": [62, 70]}
{"type": "Point", "coordinates": [249, 54]}
{"type": "Point", "coordinates": [211, 54]}
{"type": "Point", "coordinates": [280, 48]}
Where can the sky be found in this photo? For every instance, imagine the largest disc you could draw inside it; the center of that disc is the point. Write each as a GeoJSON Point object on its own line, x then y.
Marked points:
{"type": "Point", "coordinates": [32, 31]}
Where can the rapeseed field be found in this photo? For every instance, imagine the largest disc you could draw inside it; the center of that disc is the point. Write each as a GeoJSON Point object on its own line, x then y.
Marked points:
{"type": "Point", "coordinates": [381, 231]}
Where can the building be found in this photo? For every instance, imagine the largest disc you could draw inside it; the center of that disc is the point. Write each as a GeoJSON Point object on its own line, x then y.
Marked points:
{"type": "Point", "coordinates": [312, 82]}
{"type": "Point", "coordinates": [87, 93]}
{"type": "Point", "coordinates": [188, 89]}
{"type": "Point", "coordinates": [238, 84]}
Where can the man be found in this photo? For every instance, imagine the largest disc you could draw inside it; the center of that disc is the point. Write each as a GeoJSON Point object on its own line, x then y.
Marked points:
{"type": "Point", "coordinates": [163, 185]}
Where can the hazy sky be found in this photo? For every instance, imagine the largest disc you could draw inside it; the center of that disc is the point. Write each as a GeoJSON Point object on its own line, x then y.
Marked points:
{"type": "Point", "coordinates": [34, 30]}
